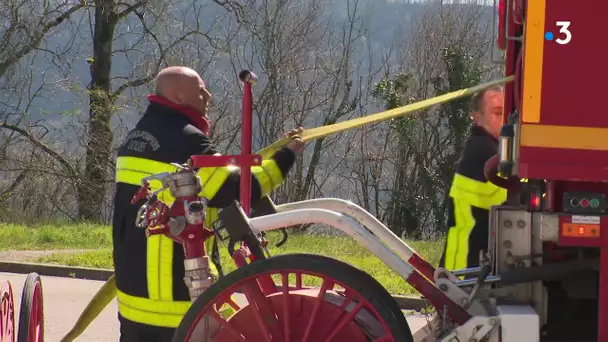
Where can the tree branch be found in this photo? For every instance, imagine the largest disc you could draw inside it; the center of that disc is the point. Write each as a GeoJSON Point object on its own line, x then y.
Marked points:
{"type": "Point", "coordinates": [37, 38]}
{"type": "Point", "coordinates": [128, 10]}
{"type": "Point", "coordinates": [20, 178]}
{"type": "Point", "coordinates": [161, 59]}
{"type": "Point", "coordinates": [64, 162]}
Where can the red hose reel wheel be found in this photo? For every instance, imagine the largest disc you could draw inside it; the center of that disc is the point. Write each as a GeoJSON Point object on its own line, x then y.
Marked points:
{"type": "Point", "coordinates": [31, 317]}
{"type": "Point", "coordinates": [347, 305]}
{"type": "Point", "coordinates": [7, 313]}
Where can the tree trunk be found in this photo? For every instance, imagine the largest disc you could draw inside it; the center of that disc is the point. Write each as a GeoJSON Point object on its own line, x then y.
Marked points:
{"type": "Point", "coordinates": [99, 139]}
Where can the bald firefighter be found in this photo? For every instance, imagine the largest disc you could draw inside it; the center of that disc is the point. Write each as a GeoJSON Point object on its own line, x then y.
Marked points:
{"type": "Point", "coordinates": [152, 295]}
{"type": "Point", "coordinates": [471, 194]}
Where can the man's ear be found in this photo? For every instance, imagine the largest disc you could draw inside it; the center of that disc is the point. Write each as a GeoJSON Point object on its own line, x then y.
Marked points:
{"type": "Point", "coordinates": [180, 98]}
{"type": "Point", "coordinates": [477, 118]}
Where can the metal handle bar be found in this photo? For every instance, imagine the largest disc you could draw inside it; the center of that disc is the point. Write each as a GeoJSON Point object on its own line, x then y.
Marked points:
{"type": "Point", "coordinates": [338, 221]}
{"type": "Point", "coordinates": [358, 214]}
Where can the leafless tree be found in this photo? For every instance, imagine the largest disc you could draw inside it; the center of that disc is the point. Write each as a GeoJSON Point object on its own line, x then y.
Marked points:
{"type": "Point", "coordinates": [309, 75]}
{"type": "Point", "coordinates": [145, 35]}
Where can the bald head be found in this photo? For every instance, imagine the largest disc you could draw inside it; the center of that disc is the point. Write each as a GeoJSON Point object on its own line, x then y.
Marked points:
{"type": "Point", "coordinates": [183, 86]}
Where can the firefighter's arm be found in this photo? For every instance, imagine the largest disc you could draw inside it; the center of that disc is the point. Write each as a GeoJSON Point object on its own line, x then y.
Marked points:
{"type": "Point", "coordinates": [470, 185]}
{"type": "Point", "coordinates": [221, 185]}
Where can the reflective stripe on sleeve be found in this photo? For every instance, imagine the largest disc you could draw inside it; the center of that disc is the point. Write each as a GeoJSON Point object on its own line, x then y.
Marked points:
{"type": "Point", "coordinates": [478, 194]}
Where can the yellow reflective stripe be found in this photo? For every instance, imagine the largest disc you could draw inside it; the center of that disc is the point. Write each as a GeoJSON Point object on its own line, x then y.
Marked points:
{"type": "Point", "coordinates": [212, 179]}
{"type": "Point", "coordinates": [212, 216]}
{"type": "Point", "coordinates": [131, 170]}
{"type": "Point", "coordinates": [269, 176]}
{"type": "Point", "coordinates": [533, 64]}
{"type": "Point", "coordinates": [153, 266]}
{"type": "Point", "coordinates": [160, 267]}
{"type": "Point", "coordinates": [457, 248]}
{"type": "Point", "coordinates": [152, 312]}
{"type": "Point", "coordinates": [130, 177]}
{"type": "Point", "coordinates": [141, 167]}
{"type": "Point", "coordinates": [208, 249]}
{"type": "Point", "coordinates": [478, 194]}
{"type": "Point", "coordinates": [149, 318]}
{"type": "Point", "coordinates": [263, 178]}
{"type": "Point", "coordinates": [135, 177]}
{"type": "Point", "coordinates": [166, 268]}
{"type": "Point", "coordinates": [271, 167]}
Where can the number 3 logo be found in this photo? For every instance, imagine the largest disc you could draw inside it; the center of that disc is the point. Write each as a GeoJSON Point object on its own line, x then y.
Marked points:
{"type": "Point", "coordinates": [564, 30]}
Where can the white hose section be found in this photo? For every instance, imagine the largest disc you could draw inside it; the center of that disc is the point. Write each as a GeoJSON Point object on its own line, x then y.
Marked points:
{"type": "Point", "coordinates": [360, 215]}
{"type": "Point", "coordinates": [335, 220]}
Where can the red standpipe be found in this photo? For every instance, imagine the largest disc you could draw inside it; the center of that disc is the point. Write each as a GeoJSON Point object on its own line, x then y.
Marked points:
{"type": "Point", "coordinates": [248, 78]}
{"type": "Point", "coordinates": [244, 161]}
{"type": "Point", "coordinates": [246, 142]}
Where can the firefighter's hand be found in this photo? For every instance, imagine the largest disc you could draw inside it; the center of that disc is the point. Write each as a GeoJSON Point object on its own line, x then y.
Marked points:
{"type": "Point", "coordinates": [296, 145]}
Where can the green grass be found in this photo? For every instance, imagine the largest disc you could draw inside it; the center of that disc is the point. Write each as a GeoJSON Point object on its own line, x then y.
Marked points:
{"type": "Point", "coordinates": [49, 237]}
{"type": "Point", "coordinates": [99, 239]}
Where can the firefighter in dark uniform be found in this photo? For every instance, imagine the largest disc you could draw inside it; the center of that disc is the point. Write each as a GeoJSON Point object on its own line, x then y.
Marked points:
{"type": "Point", "coordinates": [152, 295]}
{"type": "Point", "coordinates": [471, 194]}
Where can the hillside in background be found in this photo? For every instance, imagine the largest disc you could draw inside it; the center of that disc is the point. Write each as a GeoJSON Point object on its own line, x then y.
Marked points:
{"type": "Point", "coordinates": [388, 24]}
{"type": "Point", "coordinates": [70, 99]}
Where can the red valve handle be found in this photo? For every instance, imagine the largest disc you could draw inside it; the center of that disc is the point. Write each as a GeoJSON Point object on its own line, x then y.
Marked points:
{"type": "Point", "coordinates": [157, 214]}
{"type": "Point", "coordinates": [142, 193]}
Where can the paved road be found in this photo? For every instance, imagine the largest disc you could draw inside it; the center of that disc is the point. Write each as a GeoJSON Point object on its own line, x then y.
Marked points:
{"type": "Point", "coordinates": [64, 300]}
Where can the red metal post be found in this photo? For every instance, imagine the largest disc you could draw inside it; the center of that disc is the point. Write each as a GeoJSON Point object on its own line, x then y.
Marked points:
{"type": "Point", "coordinates": [248, 78]}
{"type": "Point", "coordinates": [246, 142]}
{"type": "Point", "coordinates": [422, 266]}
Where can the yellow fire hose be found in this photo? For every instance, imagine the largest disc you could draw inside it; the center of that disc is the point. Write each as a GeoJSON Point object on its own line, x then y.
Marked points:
{"type": "Point", "coordinates": [323, 131]}
{"type": "Point", "coordinates": [102, 298]}
{"type": "Point", "coordinates": [108, 291]}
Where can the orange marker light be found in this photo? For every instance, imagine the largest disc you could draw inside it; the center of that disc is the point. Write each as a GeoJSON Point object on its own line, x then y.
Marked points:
{"type": "Point", "coordinates": [581, 230]}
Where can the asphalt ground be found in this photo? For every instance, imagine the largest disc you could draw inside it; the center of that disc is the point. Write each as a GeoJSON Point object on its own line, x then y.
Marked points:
{"type": "Point", "coordinates": [65, 298]}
